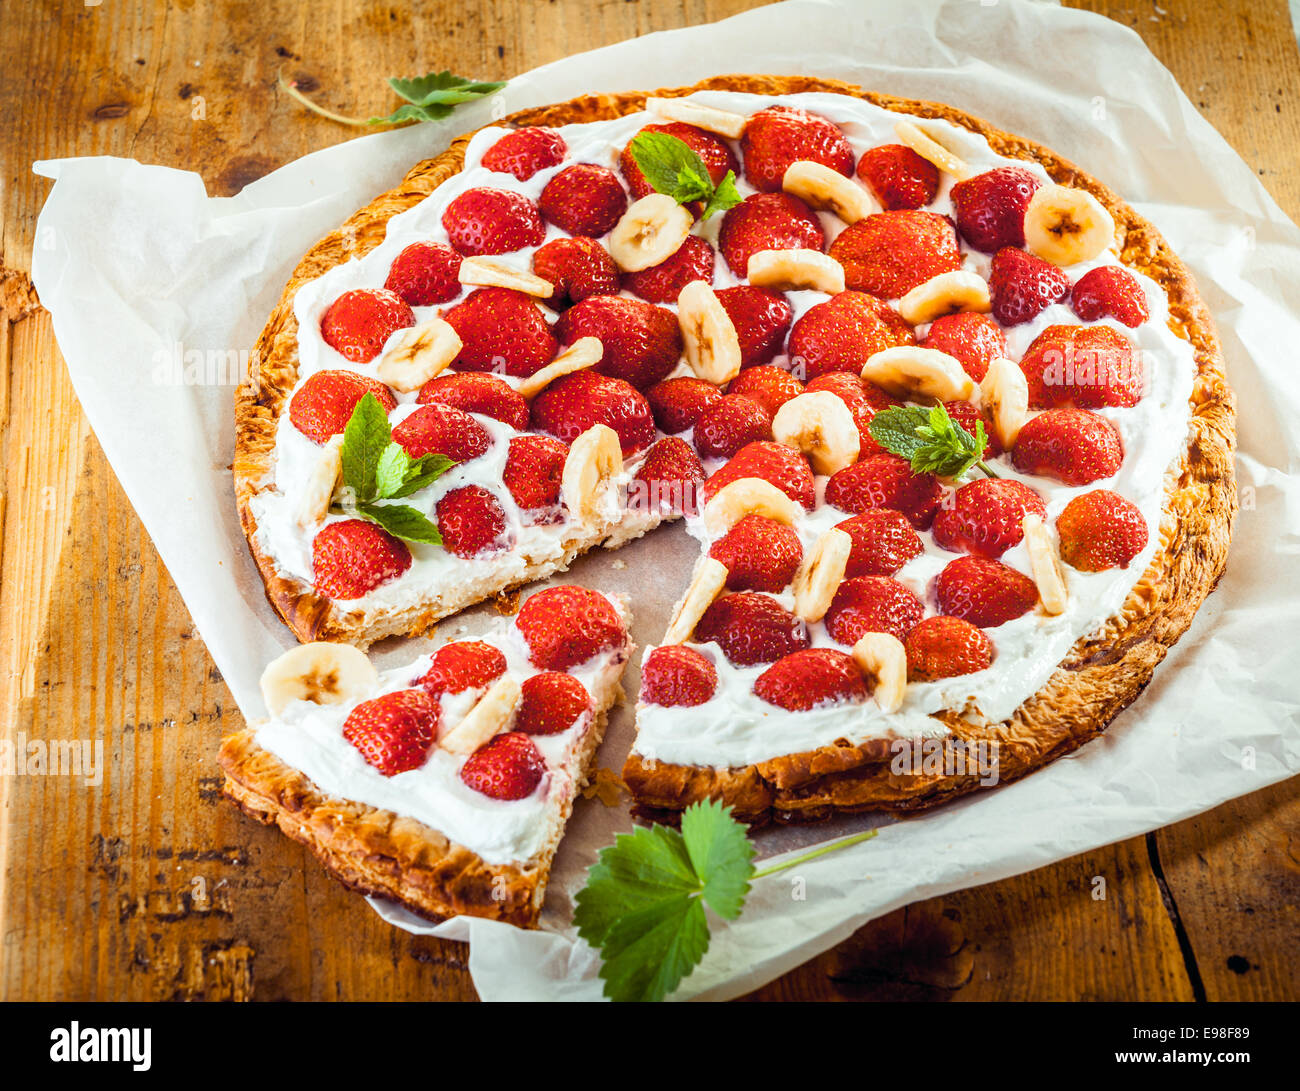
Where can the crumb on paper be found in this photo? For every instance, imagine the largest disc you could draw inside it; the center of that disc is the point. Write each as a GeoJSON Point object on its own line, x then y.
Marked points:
{"type": "Point", "coordinates": [619, 564]}
{"type": "Point", "coordinates": [507, 602]}
{"type": "Point", "coordinates": [605, 785]}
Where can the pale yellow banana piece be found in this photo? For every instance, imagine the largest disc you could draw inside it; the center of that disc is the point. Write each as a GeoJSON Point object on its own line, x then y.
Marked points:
{"type": "Point", "coordinates": [706, 585]}
{"type": "Point", "coordinates": [595, 458]}
{"type": "Point", "coordinates": [819, 186]}
{"type": "Point", "coordinates": [418, 353]}
{"type": "Point", "coordinates": [322, 484]}
{"type": "Point", "coordinates": [748, 496]}
{"type": "Point", "coordinates": [1066, 226]}
{"type": "Point", "coordinates": [722, 122]}
{"type": "Point", "coordinates": [927, 147]}
{"type": "Point", "coordinates": [1005, 394]}
{"type": "Point", "coordinates": [490, 716]}
{"type": "Point", "coordinates": [650, 232]}
{"type": "Point", "coordinates": [946, 293]}
{"type": "Point", "coordinates": [821, 426]}
{"type": "Point", "coordinates": [1045, 566]}
{"type": "Point", "coordinates": [820, 574]}
{"type": "Point", "coordinates": [909, 370]}
{"type": "Point", "coordinates": [583, 353]}
{"type": "Point", "coordinates": [322, 673]}
{"type": "Point", "coordinates": [795, 270]}
{"type": "Point", "coordinates": [712, 345]}
{"type": "Point", "coordinates": [882, 656]}
{"type": "Point", "coordinates": [491, 273]}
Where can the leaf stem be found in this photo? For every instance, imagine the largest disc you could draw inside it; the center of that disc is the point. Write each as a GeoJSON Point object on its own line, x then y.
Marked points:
{"type": "Point", "coordinates": [984, 466]}
{"type": "Point", "coordinates": [292, 91]}
{"type": "Point", "coordinates": [821, 850]}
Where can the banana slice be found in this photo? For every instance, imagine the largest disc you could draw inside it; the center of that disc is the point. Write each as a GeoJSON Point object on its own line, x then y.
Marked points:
{"type": "Point", "coordinates": [882, 656]}
{"type": "Point", "coordinates": [1065, 226]}
{"type": "Point", "coordinates": [490, 273]}
{"type": "Point", "coordinates": [748, 496]}
{"type": "Point", "coordinates": [795, 270]}
{"type": "Point", "coordinates": [1045, 566]}
{"type": "Point", "coordinates": [651, 231]}
{"type": "Point", "coordinates": [722, 122]}
{"type": "Point", "coordinates": [594, 460]}
{"type": "Point", "coordinates": [819, 186]}
{"type": "Point", "coordinates": [821, 574]}
{"type": "Point", "coordinates": [583, 353]}
{"type": "Point", "coordinates": [946, 294]}
{"type": "Point", "coordinates": [324, 674]}
{"type": "Point", "coordinates": [1005, 394]}
{"type": "Point", "coordinates": [909, 370]}
{"type": "Point", "coordinates": [490, 716]}
{"type": "Point", "coordinates": [706, 585]}
{"type": "Point", "coordinates": [416, 354]}
{"type": "Point", "coordinates": [322, 484]}
{"type": "Point", "coordinates": [821, 426]}
{"type": "Point", "coordinates": [928, 148]}
{"type": "Point", "coordinates": [712, 344]}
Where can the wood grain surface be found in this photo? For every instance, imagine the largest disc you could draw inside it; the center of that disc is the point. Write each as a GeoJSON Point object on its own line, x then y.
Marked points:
{"type": "Point", "coordinates": [146, 886]}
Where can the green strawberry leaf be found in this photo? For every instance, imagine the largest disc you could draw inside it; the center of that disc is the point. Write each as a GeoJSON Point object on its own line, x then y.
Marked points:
{"type": "Point", "coordinates": [433, 96]}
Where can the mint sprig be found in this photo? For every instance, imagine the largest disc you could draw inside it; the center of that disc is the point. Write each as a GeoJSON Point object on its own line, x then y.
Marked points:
{"type": "Point", "coordinates": [375, 468]}
{"type": "Point", "coordinates": [671, 166]}
{"type": "Point", "coordinates": [930, 440]}
{"type": "Point", "coordinates": [428, 98]}
{"type": "Point", "coordinates": [643, 905]}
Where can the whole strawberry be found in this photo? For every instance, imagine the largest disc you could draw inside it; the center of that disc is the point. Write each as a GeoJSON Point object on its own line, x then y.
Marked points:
{"type": "Point", "coordinates": [676, 676]}
{"type": "Point", "coordinates": [425, 273]}
{"type": "Point", "coordinates": [984, 592]}
{"type": "Point", "coordinates": [767, 221]}
{"type": "Point", "coordinates": [584, 200]}
{"type": "Point", "coordinates": [990, 207]}
{"type": "Point", "coordinates": [885, 481]}
{"type": "Point", "coordinates": [566, 626]}
{"type": "Point", "coordinates": [322, 406]}
{"type": "Point", "coordinates": [357, 324]}
{"type": "Point", "coordinates": [843, 333]}
{"type": "Point", "coordinates": [642, 342]}
{"type": "Point", "coordinates": [883, 541]}
{"type": "Point", "coordinates": [351, 557]}
{"type": "Point", "coordinates": [864, 401]}
{"type": "Point", "coordinates": [664, 282]}
{"type": "Point", "coordinates": [811, 678]}
{"type": "Point", "coordinates": [759, 554]}
{"type": "Point", "coordinates": [1023, 286]}
{"type": "Point", "coordinates": [762, 319]}
{"type": "Point", "coordinates": [713, 151]}
{"type": "Point", "coordinates": [472, 522]}
{"type": "Point", "coordinates": [944, 647]}
{"type": "Point", "coordinates": [974, 340]}
{"type": "Point", "coordinates": [898, 176]}
{"type": "Point", "coordinates": [1073, 446]}
{"type": "Point", "coordinates": [442, 429]}
{"type": "Point", "coordinates": [393, 732]}
{"type": "Point", "coordinates": [525, 151]}
{"type": "Point", "coordinates": [1109, 291]}
{"type": "Point", "coordinates": [751, 628]}
{"type": "Point", "coordinates": [986, 517]}
{"type": "Point", "coordinates": [890, 253]}
{"type": "Point", "coordinates": [678, 402]}
{"type": "Point", "coordinates": [1093, 367]}
{"type": "Point", "coordinates": [573, 403]}
{"type": "Point", "coordinates": [477, 392]}
{"type": "Point", "coordinates": [462, 665]}
{"type": "Point", "coordinates": [550, 703]}
{"type": "Point", "coordinates": [780, 135]}
{"type": "Point", "coordinates": [775, 463]}
{"type": "Point", "coordinates": [872, 604]}
{"type": "Point", "coordinates": [1101, 530]}
{"type": "Point", "coordinates": [729, 424]}
{"type": "Point", "coordinates": [492, 221]}
{"type": "Point", "coordinates": [506, 767]}
{"type": "Point", "coordinates": [576, 268]}
{"type": "Point", "coordinates": [669, 480]}
{"type": "Point", "coordinates": [768, 386]}
{"type": "Point", "coordinates": [502, 331]}
{"type": "Point", "coordinates": [532, 474]}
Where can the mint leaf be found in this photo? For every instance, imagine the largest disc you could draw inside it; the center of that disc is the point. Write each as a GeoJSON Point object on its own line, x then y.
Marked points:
{"type": "Point", "coordinates": [364, 439]}
{"type": "Point", "coordinates": [394, 464]}
{"type": "Point", "coordinates": [402, 522]}
{"type": "Point", "coordinates": [420, 473]}
{"type": "Point", "coordinates": [724, 197]}
{"type": "Point", "coordinates": [671, 166]}
{"type": "Point", "coordinates": [433, 96]}
{"type": "Point", "coordinates": [930, 440]}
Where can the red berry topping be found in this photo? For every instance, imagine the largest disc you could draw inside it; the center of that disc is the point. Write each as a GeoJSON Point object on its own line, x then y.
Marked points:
{"type": "Point", "coordinates": [762, 319]}
{"type": "Point", "coordinates": [729, 424]}
{"type": "Point", "coordinates": [811, 678]}
{"type": "Point", "coordinates": [357, 324]}
{"type": "Point", "coordinates": [576, 268]}
{"type": "Point", "coordinates": [462, 665]}
{"type": "Point", "coordinates": [767, 221]}
{"type": "Point", "coordinates": [1074, 446]}
{"type": "Point", "coordinates": [780, 135]}
{"type": "Point", "coordinates": [783, 467]}
{"type": "Point", "coordinates": [566, 626]}
{"type": "Point", "coordinates": [552, 702]}
{"type": "Point", "coordinates": [475, 392]}
{"type": "Point", "coordinates": [425, 273]}
{"type": "Point", "coordinates": [986, 517]}
{"type": "Point", "coordinates": [352, 557]}
{"type": "Point", "coordinates": [532, 474]}
{"type": "Point", "coordinates": [1093, 367]}
{"type": "Point", "coordinates": [751, 628]}
{"type": "Point", "coordinates": [984, 592]}
{"type": "Point", "coordinates": [394, 731]}
{"type": "Point", "coordinates": [322, 406]}
{"type": "Point", "coordinates": [492, 221]}
{"type": "Point", "coordinates": [584, 200]}
{"type": "Point", "coordinates": [1023, 286]}
{"type": "Point", "coordinates": [759, 554]}
{"type": "Point", "coordinates": [990, 207]}
{"type": "Point", "coordinates": [525, 151]}
{"type": "Point", "coordinates": [573, 403]}
{"type": "Point", "coordinates": [1110, 291]}
{"type": "Point", "coordinates": [506, 767]}
{"type": "Point", "coordinates": [944, 647]}
{"type": "Point", "coordinates": [713, 150]}
{"type": "Point", "coordinates": [472, 522]}
{"type": "Point", "coordinates": [677, 403]}
{"type": "Point", "coordinates": [975, 340]}
{"type": "Point", "coordinates": [885, 481]}
{"type": "Point", "coordinates": [872, 604]}
{"type": "Point", "coordinates": [969, 417]}
{"type": "Point", "coordinates": [444, 430]}
{"type": "Point", "coordinates": [883, 541]}
{"type": "Point", "coordinates": [503, 331]}
{"type": "Point", "coordinates": [770, 387]}
{"type": "Point", "coordinates": [664, 282]}
{"type": "Point", "coordinates": [1101, 530]}
{"type": "Point", "coordinates": [843, 333]}
{"type": "Point", "coordinates": [675, 675]}
{"type": "Point", "coordinates": [642, 342]}
{"type": "Point", "coordinates": [890, 253]}
{"type": "Point", "coordinates": [898, 176]}
{"type": "Point", "coordinates": [668, 480]}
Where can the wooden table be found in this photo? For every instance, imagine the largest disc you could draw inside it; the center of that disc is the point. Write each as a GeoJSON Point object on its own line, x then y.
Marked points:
{"type": "Point", "coordinates": [148, 887]}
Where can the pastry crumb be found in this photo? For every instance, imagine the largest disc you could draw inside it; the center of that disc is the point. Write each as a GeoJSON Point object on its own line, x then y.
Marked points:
{"type": "Point", "coordinates": [605, 785]}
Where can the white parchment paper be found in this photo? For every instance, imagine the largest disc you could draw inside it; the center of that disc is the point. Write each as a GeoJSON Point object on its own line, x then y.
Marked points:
{"type": "Point", "coordinates": [139, 268]}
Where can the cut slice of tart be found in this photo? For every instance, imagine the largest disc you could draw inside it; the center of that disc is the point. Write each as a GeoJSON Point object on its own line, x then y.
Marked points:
{"type": "Point", "coordinates": [444, 785]}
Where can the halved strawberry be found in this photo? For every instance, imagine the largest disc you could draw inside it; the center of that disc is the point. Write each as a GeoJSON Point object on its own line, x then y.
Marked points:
{"type": "Point", "coordinates": [573, 403]}
{"type": "Point", "coordinates": [712, 150]}
{"type": "Point", "coordinates": [675, 675]}
{"type": "Point", "coordinates": [944, 647]}
{"type": "Point", "coordinates": [472, 522]}
{"type": "Point", "coordinates": [323, 405]}
{"type": "Point", "coordinates": [502, 331]}
{"type": "Point", "coordinates": [885, 481]}
{"type": "Point", "coordinates": [767, 221]}
{"type": "Point", "coordinates": [477, 392]}
{"type": "Point", "coordinates": [492, 221]}
{"type": "Point", "coordinates": [864, 400]}
{"type": "Point", "coordinates": [584, 200]}
{"type": "Point", "coordinates": [425, 273]}
{"type": "Point", "coordinates": [759, 554]}
{"type": "Point", "coordinates": [393, 732]}
{"type": "Point", "coordinates": [883, 541]}
{"type": "Point", "coordinates": [898, 176]}
{"type": "Point", "coordinates": [770, 387]}
{"type": "Point", "coordinates": [729, 424]}
{"type": "Point", "coordinates": [525, 151]}
{"type": "Point", "coordinates": [984, 592]}
{"type": "Point", "coordinates": [357, 324]}
{"type": "Point", "coordinates": [970, 417]}
{"type": "Point", "coordinates": [566, 626]}
{"type": "Point", "coordinates": [669, 479]}
{"type": "Point", "coordinates": [973, 339]}
{"type": "Point", "coordinates": [462, 665]}
{"type": "Point", "coordinates": [551, 702]}
{"type": "Point", "coordinates": [1101, 530]}
{"type": "Point", "coordinates": [532, 473]}
{"type": "Point", "coordinates": [678, 402]}
{"type": "Point", "coordinates": [351, 557]}
{"type": "Point", "coordinates": [990, 207]}
{"type": "Point", "coordinates": [985, 517]}
{"type": "Point", "coordinates": [576, 268]}
{"type": "Point", "coordinates": [1023, 286]}
{"type": "Point", "coordinates": [1110, 291]}
{"type": "Point", "coordinates": [872, 604]}
{"type": "Point", "coordinates": [751, 628]}
{"type": "Point", "coordinates": [842, 333]}
{"type": "Point", "coordinates": [890, 253]}
{"type": "Point", "coordinates": [442, 429]}
{"type": "Point", "coordinates": [811, 678]}
{"type": "Point", "coordinates": [1092, 367]}
{"type": "Point", "coordinates": [664, 282]}
{"type": "Point", "coordinates": [642, 342]}
{"type": "Point", "coordinates": [780, 135]}
{"type": "Point", "coordinates": [1074, 446]}
{"type": "Point", "coordinates": [507, 766]}
{"type": "Point", "coordinates": [762, 319]}
{"type": "Point", "coordinates": [783, 467]}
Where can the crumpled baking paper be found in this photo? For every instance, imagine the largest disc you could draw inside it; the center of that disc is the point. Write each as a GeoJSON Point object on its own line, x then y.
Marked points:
{"type": "Point", "coordinates": [141, 271]}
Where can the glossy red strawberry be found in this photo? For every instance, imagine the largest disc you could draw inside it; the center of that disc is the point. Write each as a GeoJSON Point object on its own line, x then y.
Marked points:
{"type": "Point", "coordinates": [1101, 530]}
{"type": "Point", "coordinates": [502, 331]}
{"type": "Point", "coordinates": [898, 176]}
{"type": "Point", "coordinates": [675, 676]}
{"type": "Point", "coordinates": [864, 401]}
{"type": "Point", "coordinates": [678, 402]}
{"type": "Point", "coordinates": [552, 702]}
{"type": "Point", "coordinates": [442, 429]}
{"type": "Point", "coordinates": [883, 541]}
{"type": "Point", "coordinates": [576, 268]}
{"type": "Point", "coordinates": [669, 479]}
{"type": "Point", "coordinates": [472, 522]}
{"type": "Point", "coordinates": [1023, 286]}
{"type": "Point", "coordinates": [767, 221]}
{"type": "Point", "coordinates": [872, 604]}
{"type": "Point", "coordinates": [844, 332]}
{"type": "Point", "coordinates": [532, 473]}
{"type": "Point", "coordinates": [890, 253]}
{"type": "Point", "coordinates": [885, 481]}
{"type": "Point", "coordinates": [463, 665]}
{"type": "Point", "coordinates": [762, 319]}
{"type": "Point", "coordinates": [642, 342]}
{"type": "Point", "coordinates": [990, 207]}
{"type": "Point", "coordinates": [351, 557]}
{"type": "Point", "coordinates": [566, 626]}
{"type": "Point", "coordinates": [944, 647]}
{"type": "Point", "coordinates": [525, 151]}
{"type": "Point", "coordinates": [759, 554]}
{"type": "Point", "coordinates": [751, 628]}
{"type": "Point", "coordinates": [393, 732]}
{"type": "Point", "coordinates": [584, 200]}
{"type": "Point", "coordinates": [986, 517]}
{"type": "Point", "coordinates": [1074, 446]}
{"type": "Point", "coordinates": [1092, 367]}
{"type": "Point", "coordinates": [1110, 291]}
{"type": "Point", "coordinates": [476, 392]}
{"type": "Point", "coordinates": [729, 424]}
{"type": "Point", "coordinates": [969, 417]}
{"type": "Point", "coordinates": [975, 340]}
{"type": "Point", "coordinates": [573, 403]}
{"type": "Point", "coordinates": [322, 406]}
{"type": "Point", "coordinates": [984, 592]}
{"type": "Point", "coordinates": [425, 273]}
{"type": "Point", "coordinates": [811, 678]}
{"type": "Point", "coordinates": [357, 324]}
{"type": "Point", "coordinates": [712, 150]}
{"type": "Point", "coordinates": [508, 766]}
{"type": "Point", "coordinates": [768, 386]}
{"type": "Point", "coordinates": [780, 135]}
{"type": "Point", "coordinates": [664, 282]}
{"type": "Point", "coordinates": [492, 221]}
{"type": "Point", "coordinates": [783, 467]}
